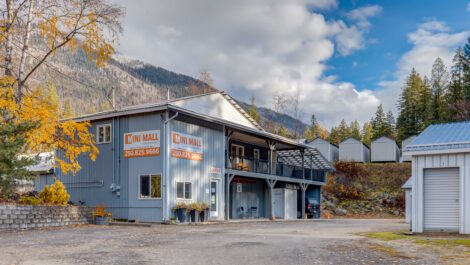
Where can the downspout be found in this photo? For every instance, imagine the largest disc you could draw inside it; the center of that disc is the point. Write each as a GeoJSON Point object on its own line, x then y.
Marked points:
{"type": "Point", "coordinates": [166, 164]}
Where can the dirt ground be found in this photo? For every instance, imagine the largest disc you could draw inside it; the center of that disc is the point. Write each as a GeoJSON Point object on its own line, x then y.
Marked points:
{"type": "Point", "coordinates": [338, 241]}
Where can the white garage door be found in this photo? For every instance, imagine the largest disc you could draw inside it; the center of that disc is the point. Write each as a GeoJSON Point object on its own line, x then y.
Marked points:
{"type": "Point", "coordinates": [441, 199]}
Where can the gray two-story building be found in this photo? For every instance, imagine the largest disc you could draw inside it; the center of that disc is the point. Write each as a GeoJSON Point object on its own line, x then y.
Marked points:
{"type": "Point", "coordinates": [201, 148]}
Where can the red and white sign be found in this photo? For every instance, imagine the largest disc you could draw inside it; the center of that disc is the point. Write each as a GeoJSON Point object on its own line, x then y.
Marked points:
{"type": "Point", "coordinates": [140, 144]}
{"type": "Point", "coordinates": [186, 146]}
{"type": "Point", "coordinates": [215, 170]}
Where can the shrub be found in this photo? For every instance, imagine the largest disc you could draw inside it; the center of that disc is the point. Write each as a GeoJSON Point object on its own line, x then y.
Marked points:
{"type": "Point", "coordinates": [179, 205]}
{"type": "Point", "coordinates": [56, 194]}
{"type": "Point", "coordinates": [29, 200]}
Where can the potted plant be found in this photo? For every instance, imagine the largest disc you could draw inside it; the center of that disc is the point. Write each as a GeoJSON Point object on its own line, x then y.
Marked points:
{"type": "Point", "coordinates": [203, 211]}
{"type": "Point", "coordinates": [180, 210]}
{"type": "Point", "coordinates": [193, 210]}
{"type": "Point", "coordinates": [101, 215]}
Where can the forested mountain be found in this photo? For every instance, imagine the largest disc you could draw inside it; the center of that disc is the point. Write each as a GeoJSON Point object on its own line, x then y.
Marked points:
{"type": "Point", "coordinates": [85, 88]}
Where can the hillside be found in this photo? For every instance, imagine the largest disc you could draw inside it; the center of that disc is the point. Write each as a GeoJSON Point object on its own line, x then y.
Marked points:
{"type": "Point", "coordinates": [366, 189]}
{"type": "Point", "coordinates": [88, 88]}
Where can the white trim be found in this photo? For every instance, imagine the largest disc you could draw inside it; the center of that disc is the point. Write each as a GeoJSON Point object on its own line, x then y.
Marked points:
{"type": "Point", "coordinates": [436, 152]}
{"type": "Point", "coordinates": [184, 190]}
{"type": "Point", "coordinates": [98, 127]}
{"type": "Point", "coordinates": [238, 146]}
{"type": "Point", "coordinates": [150, 186]}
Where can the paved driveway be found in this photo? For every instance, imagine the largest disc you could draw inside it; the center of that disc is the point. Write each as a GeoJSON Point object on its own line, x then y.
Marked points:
{"type": "Point", "coordinates": [318, 242]}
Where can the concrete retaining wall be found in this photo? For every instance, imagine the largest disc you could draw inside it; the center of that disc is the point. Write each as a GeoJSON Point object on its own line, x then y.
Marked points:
{"type": "Point", "coordinates": [13, 216]}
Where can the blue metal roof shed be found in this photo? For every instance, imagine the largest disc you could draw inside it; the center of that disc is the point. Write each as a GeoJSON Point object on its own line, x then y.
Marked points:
{"type": "Point", "coordinates": [442, 138]}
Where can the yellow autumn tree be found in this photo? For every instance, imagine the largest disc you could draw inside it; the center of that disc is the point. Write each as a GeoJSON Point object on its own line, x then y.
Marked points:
{"type": "Point", "coordinates": [91, 26]}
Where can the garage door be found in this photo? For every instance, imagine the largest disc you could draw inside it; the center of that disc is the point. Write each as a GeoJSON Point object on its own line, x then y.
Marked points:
{"type": "Point", "coordinates": [441, 199]}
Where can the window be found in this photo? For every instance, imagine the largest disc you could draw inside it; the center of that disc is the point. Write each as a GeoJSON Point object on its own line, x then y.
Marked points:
{"type": "Point", "coordinates": [103, 134]}
{"type": "Point", "coordinates": [183, 190]}
{"type": "Point", "coordinates": [150, 187]}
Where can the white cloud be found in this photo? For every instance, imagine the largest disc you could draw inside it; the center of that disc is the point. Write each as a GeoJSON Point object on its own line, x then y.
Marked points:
{"type": "Point", "coordinates": [431, 39]}
{"type": "Point", "coordinates": [255, 47]}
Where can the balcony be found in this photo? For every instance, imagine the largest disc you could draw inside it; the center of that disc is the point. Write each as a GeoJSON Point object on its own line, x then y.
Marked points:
{"type": "Point", "coordinates": [282, 169]}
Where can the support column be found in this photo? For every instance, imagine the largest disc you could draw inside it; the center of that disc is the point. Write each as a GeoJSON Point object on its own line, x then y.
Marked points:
{"type": "Point", "coordinates": [271, 184]}
{"type": "Point", "coordinates": [304, 187]}
{"type": "Point", "coordinates": [272, 147]}
{"type": "Point", "coordinates": [227, 195]}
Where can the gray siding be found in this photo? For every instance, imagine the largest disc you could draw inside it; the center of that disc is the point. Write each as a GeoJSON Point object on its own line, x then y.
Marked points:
{"type": "Point", "coordinates": [353, 151]}
{"type": "Point", "coordinates": [91, 184]}
{"type": "Point", "coordinates": [384, 150]}
{"type": "Point", "coordinates": [198, 172]}
{"type": "Point", "coordinates": [149, 210]}
{"type": "Point", "coordinates": [328, 150]}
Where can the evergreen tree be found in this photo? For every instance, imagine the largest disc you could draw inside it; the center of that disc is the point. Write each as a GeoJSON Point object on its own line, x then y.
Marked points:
{"type": "Point", "coordinates": [355, 130]}
{"type": "Point", "coordinates": [334, 136]}
{"type": "Point", "coordinates": [455, 94]}
{"type": "Point", "coordinates": [439, 84]}
{"type": "Point", "coordinates": [343, 130]}
{"type": "Point", "coordinates": [391, 125]}
{"type": "Point", "coordinates": [379, 123]}
{"type": "Point", "coordinates": [466, 70]}
{"type": "Point", "coordinates": [12, 147]}
{"type": "Point", "coordinates": [313, 130]}
{"type": "Point", "coordinates": [411, 106]}
{"type": "Point", "coordinates": [367, 133]}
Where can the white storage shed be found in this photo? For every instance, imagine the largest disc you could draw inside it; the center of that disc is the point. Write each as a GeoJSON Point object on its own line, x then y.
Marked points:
{"type": "Point", "coordinates": [285, 203]}
{"type": "Point", "coordinates": [408, 187]}
{"type": "Point", "coordinates": [384, 149]}
{"type": "Point", "coordinates": [353, 150]}
{"type": "Point", "coordinates": [327, 149]}
{"type": "Point", "coordinates": [441, 179]}
{"type": "Point", "coordinates": [405, 143]}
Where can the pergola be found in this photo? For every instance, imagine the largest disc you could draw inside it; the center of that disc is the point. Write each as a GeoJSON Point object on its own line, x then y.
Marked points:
{"type": "Point", "coordinates": [306, 158]}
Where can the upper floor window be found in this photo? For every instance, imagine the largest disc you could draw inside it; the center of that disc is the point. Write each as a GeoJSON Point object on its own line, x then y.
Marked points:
{"type": "Point", "coordinates": [103, 134]}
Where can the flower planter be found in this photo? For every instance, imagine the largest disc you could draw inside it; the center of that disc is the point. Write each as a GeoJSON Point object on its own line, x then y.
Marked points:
{"type": "Point", "coordinates": [181, 215]}
{"type": "Point", "coordinates": [203, 216]}
{"type": "Point", "coordinates": [102, 220]}
{"type": "Point", "coordinates": [193, 214]}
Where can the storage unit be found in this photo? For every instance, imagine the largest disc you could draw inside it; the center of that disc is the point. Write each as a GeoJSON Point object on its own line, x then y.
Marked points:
{"type": "Point", "coordinates": [441, 178]}
{"type": "Point", "coordinates": [327, 149]}
{"type": "Point", "coordinates": [353, 150]}
{"type": "Point", "coordinates": [384, 149]}
{"type": "Point", "coordinates": [408, 187]}
{"type": "Point", "coordinates": [404, 143]}
{"type": "Point", "coordinates": [285, 204]}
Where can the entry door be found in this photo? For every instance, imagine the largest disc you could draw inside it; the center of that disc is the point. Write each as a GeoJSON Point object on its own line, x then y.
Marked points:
{"type": "Point", "coordinates": [278, 203]}
{"type": "Point", "coordinates": [215, 198]}
{"type": "Point", "coordinates": [441, 199]}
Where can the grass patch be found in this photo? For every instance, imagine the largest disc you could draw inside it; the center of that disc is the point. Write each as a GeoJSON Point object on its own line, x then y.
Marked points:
{"type": "Point", "coordinates": [386, 236]}
{"type": "Point", "coordinates": [387, 250]}
{"type": "Point", "coordinates": [444, 242]}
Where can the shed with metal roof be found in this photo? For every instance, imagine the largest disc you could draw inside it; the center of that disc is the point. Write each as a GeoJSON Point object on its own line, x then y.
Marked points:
{"type": "Point", "coordinates": [384, 149]}
{"type": "Point", "coordinates": [440, 158]}
{"type": "Point", "coordinates": [327, 149]}
{"type": "Point", "coordinates": [353, 150]}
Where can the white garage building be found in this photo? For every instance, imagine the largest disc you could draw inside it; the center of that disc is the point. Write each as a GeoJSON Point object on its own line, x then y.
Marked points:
{"type": "Point", "coordinates": [441, 179]}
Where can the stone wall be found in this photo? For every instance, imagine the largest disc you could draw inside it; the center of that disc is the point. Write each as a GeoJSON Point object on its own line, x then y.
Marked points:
{"type": "Point", "coordinates": [14, 216]}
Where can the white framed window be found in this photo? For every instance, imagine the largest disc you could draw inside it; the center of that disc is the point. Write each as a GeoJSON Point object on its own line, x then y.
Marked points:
{"type": "Point", "coordinates": [150, 186]}
{"type": "Point", "coordinates": [103, 134]}
{"type": "Point", "coordinates": [184, 190]}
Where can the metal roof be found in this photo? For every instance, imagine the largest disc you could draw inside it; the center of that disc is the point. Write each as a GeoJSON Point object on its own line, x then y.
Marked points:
{"type": "Point", "coordinates": [408, 184]}
{"type": "Point", "coordinates": [448, 136]}
{"type": "Point", "coordinates": [312, 159]}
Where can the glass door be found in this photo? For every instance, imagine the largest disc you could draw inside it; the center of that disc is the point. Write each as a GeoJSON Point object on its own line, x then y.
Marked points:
{"type": "Point", "coordinates": [214, 204]}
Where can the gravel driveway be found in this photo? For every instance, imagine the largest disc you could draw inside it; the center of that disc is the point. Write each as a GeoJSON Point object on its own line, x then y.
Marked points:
{"type": "Point", "coordinates": [315, 242]}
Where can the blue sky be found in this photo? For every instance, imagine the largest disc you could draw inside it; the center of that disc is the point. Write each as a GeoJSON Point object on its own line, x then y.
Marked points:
{"type": "Point", "coordinates": [388, 37]}
{"type": "Point", "coordinates": [342, 58]}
